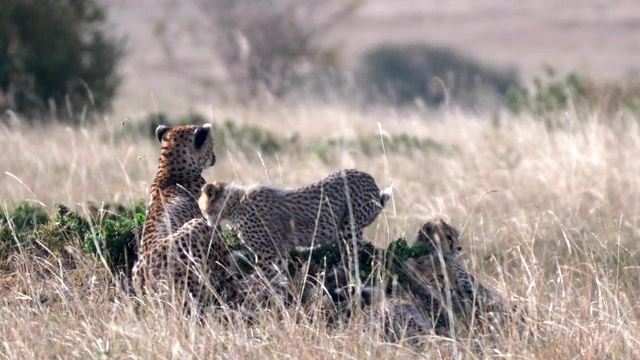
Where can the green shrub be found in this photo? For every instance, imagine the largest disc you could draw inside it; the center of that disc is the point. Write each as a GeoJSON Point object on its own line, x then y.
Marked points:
{"type": "Point", "coordinates": [115, 233]}
{"type": "Point", "coordinates": [549, 94]}
{"type": "Point", "coordinates": [116, 240]}
{"type": "Point", "coordinates": [406, 73]}
{"type": "Point", "coordinates": [111, 230]}
{"type": "Point", "coordinates": [371, 145]}
{"type": "Point", "coordinates": [66, 228]}
{"type": "Point", "coordinates": [552, 94]}
{"type": "Point", "coordinates": [56, 58]}
{"type": "Point", "coordinates": [25, 216]}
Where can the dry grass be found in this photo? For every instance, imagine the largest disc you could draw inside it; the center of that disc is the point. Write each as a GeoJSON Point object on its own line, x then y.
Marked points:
{"type": "Point", "coordinates": [560, 234]}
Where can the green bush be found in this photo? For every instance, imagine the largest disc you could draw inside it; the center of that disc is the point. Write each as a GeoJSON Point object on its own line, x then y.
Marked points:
{"type": "Point", "coordinates": [371, 145]}
{"type": "Point", "coordinates": [390, 261]}
{"type": "Point", "coordinates": [24, 216]}
{"type": "Point", "coordinates": [66, 228]}
{"type": "Point", "coordinates": [406, 73]}
{"type": "Point", "coordinates": [111, 231]}
{"type": "Point", "coordinates": [56, 58]}
{"type": "Point", "coordinates": [552, 94]}
{"type": "Point", "coordinates": [116, 241]}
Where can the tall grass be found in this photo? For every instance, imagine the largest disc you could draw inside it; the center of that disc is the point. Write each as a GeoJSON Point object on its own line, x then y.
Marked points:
{"type": "Point", "coordinates": [549, 218]}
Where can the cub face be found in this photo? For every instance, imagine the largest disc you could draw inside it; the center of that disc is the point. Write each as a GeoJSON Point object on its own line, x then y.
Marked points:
{"type": "Point", "coordinates": [437, 234]}
{"type": "Point", "coordinates": [212, 202]}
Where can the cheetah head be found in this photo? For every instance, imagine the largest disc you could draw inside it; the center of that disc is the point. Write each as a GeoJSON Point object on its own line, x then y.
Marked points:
{"type": "Point", "coordinates": [212, 202]}
{"type": "Point", "coordinates": [437, 234]}
{"type": "Point", "coordinates": [187, 149]}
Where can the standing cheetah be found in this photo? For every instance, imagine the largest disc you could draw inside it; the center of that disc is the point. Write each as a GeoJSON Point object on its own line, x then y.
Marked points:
{"type": "Point", "coordinates": [178, 247]}
{"type": "Point", "coordinates": [273, 221]}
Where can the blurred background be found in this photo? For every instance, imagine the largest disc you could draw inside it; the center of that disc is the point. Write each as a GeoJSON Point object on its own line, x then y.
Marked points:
{"type": "Point", "coordinates": [71, 60]}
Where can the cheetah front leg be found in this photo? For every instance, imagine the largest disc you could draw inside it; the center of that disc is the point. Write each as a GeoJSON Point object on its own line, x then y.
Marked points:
{"type": "Point", "coordinates": [271, 259]}
{"type": "Point", "coordinates": [352, 239]}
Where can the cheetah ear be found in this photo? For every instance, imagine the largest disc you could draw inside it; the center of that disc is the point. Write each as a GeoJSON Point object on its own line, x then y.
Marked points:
{"type": "Point", "coordinates": [161, 130]}
{"type": "Point", "coordinates": [427, 228]}
{"type": "Point", "coordinates": [219, 187]}
{"type": "Point", "coordinates": [428, 231]}
{"type": "Point", "coordinates": [209, 191]}
{"type": "Point", "coordinates": [213, 190]}
{"type": "Point", "coordinates": [201, 135]}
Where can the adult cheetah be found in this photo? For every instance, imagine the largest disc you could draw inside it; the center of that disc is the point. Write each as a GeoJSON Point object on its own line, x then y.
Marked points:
{"type": "Point", "coordinates": [272, 221]}
{"type": "Point", "coordinates": [179, 249]}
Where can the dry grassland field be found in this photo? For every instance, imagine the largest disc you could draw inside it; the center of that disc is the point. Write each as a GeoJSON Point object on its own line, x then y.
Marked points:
{"type": "Point", "coordinates": [549, 218]}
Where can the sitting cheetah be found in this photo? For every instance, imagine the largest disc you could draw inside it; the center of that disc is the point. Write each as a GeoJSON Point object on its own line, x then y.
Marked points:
{"type": "Point", "coordinates": [482, 313]}
{"type": "Point", "coordinates": [178, 246]}
{"type": "Point", "coordinates": [449, 279]}
{"type": "Point", "coordinates": [437, 234]}
{"type": "Point", "coordinates": [439, 238]}
{"type": "Point", "coordinates": [273, 221]}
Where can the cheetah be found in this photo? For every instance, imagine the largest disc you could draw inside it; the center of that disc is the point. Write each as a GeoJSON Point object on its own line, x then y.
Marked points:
{"type": "Point", "coordinates": [399, 317]}
{"type": "Point", "coordinates": [446, 277]}
{"type": "Point", "coordinates": [439, 238]}
{"type": "Point", "coordinates": [463, 283]}
{"type": "Point", "coordinates": [413, 302]}
{"type": "Point", "coordinates": [481, 312]}
{"type": "Point", "coordinates": [178, 246]}
{"type": "Point", "coordinates": [438, 235]}
{"type": "Point", "coordinates": [272, 221]}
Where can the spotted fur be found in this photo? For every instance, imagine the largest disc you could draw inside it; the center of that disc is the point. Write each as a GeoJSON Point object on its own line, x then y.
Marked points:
{"type": "Point", "coordinates": [438, 235]}
{"type": "Point", "coordinates": [272, 221]}
{"type": "Point", "coordinates": [179, 249]}
{"type": "Point", "coordinates": [399, 316]}
{"type": "Point", "coordinates": [401, 319]}
{"type": "Point", "coordinates": [445, 276]}
{"type": "Point", "coordinates": [449, 275]}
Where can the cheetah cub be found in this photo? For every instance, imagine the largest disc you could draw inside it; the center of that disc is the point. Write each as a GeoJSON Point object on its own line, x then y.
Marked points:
{"type": "Point", "coordinates": [447, 278]}
{"type": "Point", "coordinates": [437, 234]}
{"type": "Point", "coordinates": [273, 221]}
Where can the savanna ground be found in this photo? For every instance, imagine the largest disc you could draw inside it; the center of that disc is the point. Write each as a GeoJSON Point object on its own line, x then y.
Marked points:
{"type": "Point", "coordinates": [549, 218]}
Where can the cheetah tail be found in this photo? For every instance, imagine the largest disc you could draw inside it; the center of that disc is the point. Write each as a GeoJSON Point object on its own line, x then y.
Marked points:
{"type": "Point", "coordinates": [385, 195]}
